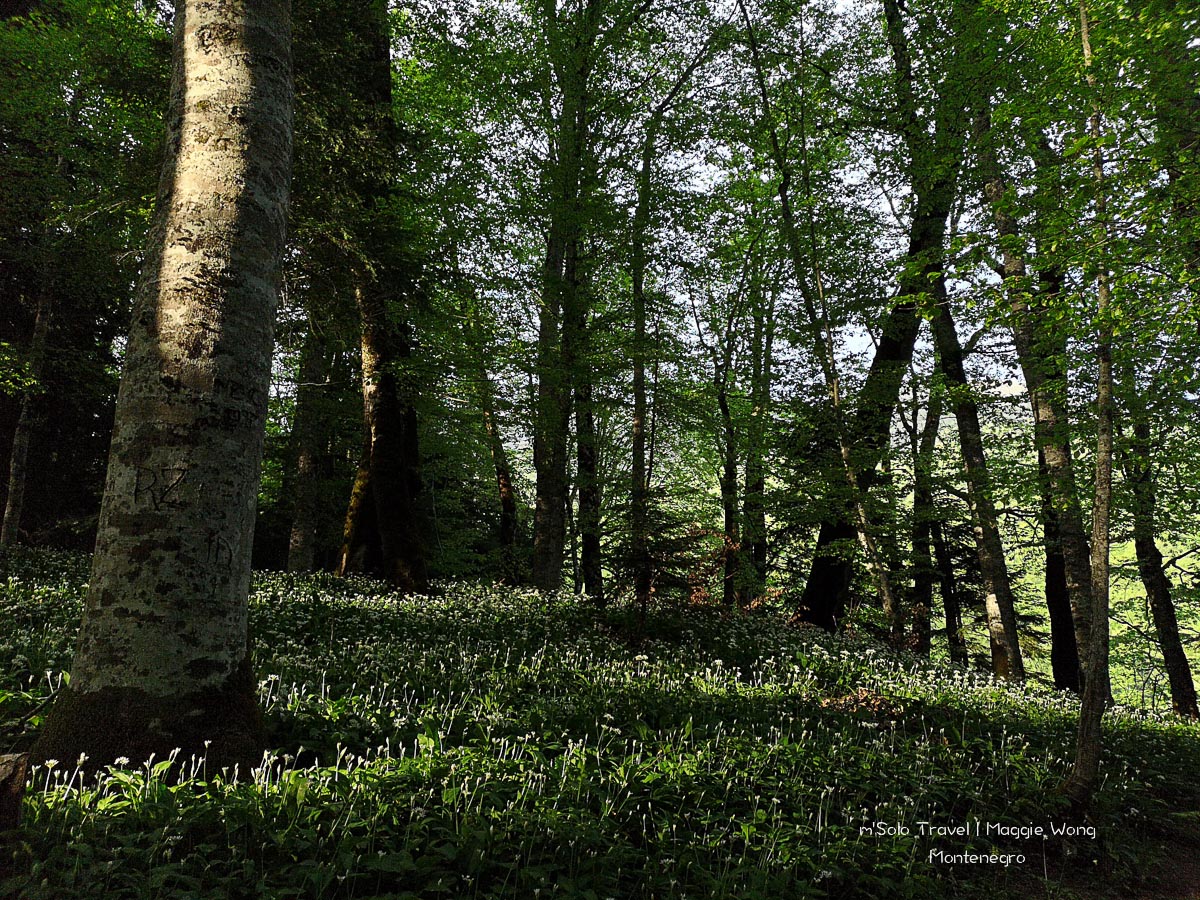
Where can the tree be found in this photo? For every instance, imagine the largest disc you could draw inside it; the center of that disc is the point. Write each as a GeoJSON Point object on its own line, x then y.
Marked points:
{"type": "Point", "coordinates": [78, 160]}
{"type": "Point", "coordinates": [571, 39]}
{"type": "Point", "coordinates": [384, 508]}
{"type": "Point", "coordinates": [163, 660]}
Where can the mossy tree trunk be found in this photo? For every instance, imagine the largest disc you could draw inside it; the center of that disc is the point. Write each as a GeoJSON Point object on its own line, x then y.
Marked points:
{"type": "Point", "coordinates": [163, 660]}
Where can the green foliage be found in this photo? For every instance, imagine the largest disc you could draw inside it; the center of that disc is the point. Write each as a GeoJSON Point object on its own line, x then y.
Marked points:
{"type": "Point", "coordinates": [82, 85]}
{"type": "Point", "coordinates": [496, 743]}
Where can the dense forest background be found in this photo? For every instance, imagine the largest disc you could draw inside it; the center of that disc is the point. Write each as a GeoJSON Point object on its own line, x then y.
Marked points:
{"type": "Point", "coordinates": [823, 307]}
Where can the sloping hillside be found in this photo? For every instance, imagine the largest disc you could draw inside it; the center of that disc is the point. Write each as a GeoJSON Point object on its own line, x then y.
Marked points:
{"type": "Point", "coordinates": [488, 742]}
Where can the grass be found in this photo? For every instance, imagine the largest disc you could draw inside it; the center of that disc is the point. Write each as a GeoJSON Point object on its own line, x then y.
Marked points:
{"type": "Point", "coordinates": [492, 742]}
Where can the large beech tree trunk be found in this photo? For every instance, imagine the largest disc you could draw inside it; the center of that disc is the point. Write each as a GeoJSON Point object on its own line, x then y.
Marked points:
{"type": "Point", "coordinates": [163, 660]}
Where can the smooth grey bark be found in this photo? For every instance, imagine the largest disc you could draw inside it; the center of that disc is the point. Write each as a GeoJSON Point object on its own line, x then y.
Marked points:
{"type": "Point", "coordinates": [163, 658]}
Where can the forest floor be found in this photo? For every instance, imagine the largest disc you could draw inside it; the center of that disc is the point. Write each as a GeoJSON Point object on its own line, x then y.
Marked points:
{"type": "Point", "coordinates": [489, 742]}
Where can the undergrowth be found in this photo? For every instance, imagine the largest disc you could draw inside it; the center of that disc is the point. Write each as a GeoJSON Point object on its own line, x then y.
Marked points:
{"type": "Point", "coordinates": [490, 742]}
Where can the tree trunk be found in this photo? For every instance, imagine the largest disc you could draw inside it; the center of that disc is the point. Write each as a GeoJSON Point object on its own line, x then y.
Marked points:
{"type": "Point", "coordinates": [639, 512]}
{"type": "Point", "coordinates": [390, 421]}
{"type": "Point", "coordinates": [730, 593]}
{"type": "Point", "coordinates": [354, 527]}
{"type": "Point", "coordinates": [1064, 651]}
{"type": "Point", "coordinates": [754, 508]}
{"type": "Point", "coordinates": [29, 419]}
{"type": "Point", "coordinates": [478, 342]}
{"type": "Point", "coordinates": [639, 516]}
{"type": "Point", "coordinates": [1139, 473]}
{"type": "Point", "coordinates": [571, 39]}
{"type": "Point", "coordinates": [1038, 351]}
{"type": "Point", "coordinates": [163, 658]}
{"type": "Point", "coordinates": [19, 456]}
{"type": "Point", "coordinates": [1081, 784]}
{"type": "Point", "coordinates": [510, 565]}
{"type": "Point", "coordinates": [924, 516]}
{"type": "Point", "coordinates": [1001, 611]}
{"type": "Point", "coordinates": [934, 163]}
{"type": "Point", "coordinates": [820, 605]}
{"type": "Point", "coordinates": [551, 424]}
{"type": "Point", "coordinates": [587, 457]}
{"type": "Point", "coordinates": [956, 640]}
{"type": "Point", "coordinates": [391, 450]}
{"type": "Point", "coordinates": [306, 433]}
